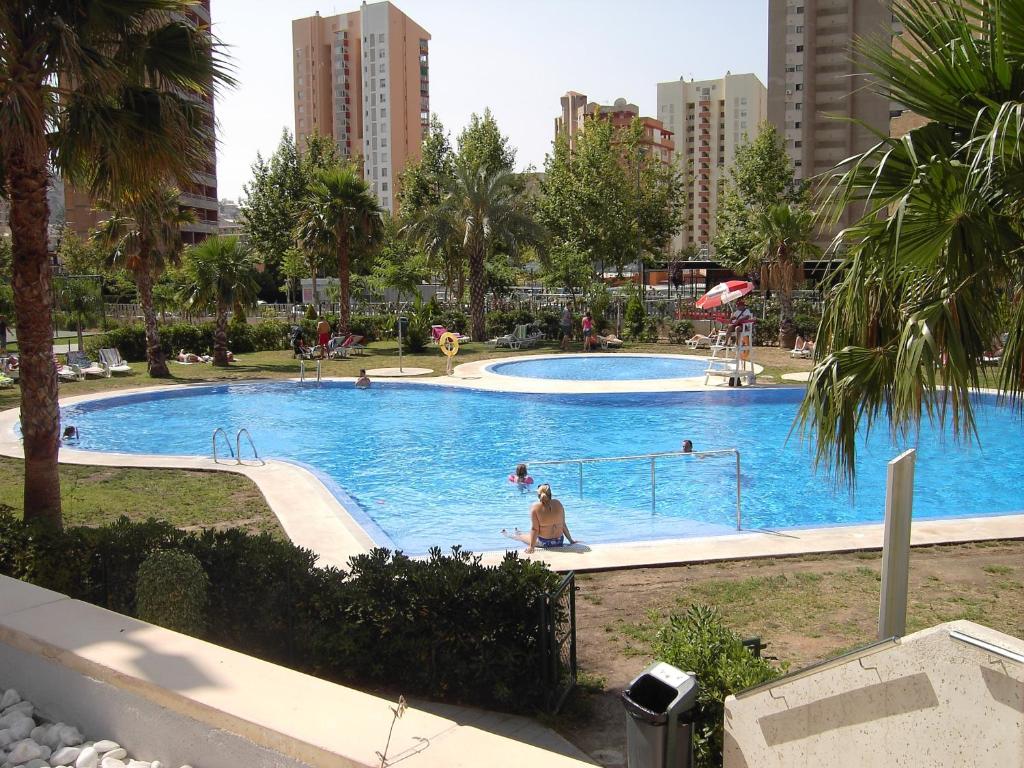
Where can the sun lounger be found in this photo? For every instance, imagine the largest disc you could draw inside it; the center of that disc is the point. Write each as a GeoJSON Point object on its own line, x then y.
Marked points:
{"type": "Point", "coordinates": [525, 338]}
{"type": "Point", "coordinates": [112, 359]}
{"type": "Point", "coordinates": [802, 350]}
{"type": "Point", "coordinates": [353, 344]}
{"type": "Point", "coordinates": [9, 367]}
{"type": "Point", "coordinates": [508, 340]}
{"type": "Point", "coordinates": [611, 341]}
{"type": "Point", "coordinates": [70, 373]}
{"type": "Point", "coordinates": [87, 366]}
{"type": "Point", "coordinates": [699, 341]}
{"type": "Point", "coordinates": [437, 331]}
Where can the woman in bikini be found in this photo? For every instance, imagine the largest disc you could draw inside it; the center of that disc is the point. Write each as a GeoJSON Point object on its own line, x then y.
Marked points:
{"type": "Point", "coordinates": [547, 522]}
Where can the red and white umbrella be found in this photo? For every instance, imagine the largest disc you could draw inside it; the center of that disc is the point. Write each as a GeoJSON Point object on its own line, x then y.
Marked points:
{"type": "Point", "coordinates": [724, 293]}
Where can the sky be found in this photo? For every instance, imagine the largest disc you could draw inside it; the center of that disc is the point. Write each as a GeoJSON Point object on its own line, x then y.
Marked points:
{"type": "Point", "coordinates": [515, 56]}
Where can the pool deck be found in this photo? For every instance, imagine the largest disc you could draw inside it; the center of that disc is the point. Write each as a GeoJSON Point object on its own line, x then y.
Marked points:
{"type": "Point", "coordinates": [315, 519]}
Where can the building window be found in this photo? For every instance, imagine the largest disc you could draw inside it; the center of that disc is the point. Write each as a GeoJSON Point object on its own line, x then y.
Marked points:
{"type": "Point", "coordinates": [798, 106]}
{"type": "Point", "coordinates": [384, 142]}
{"type": "Point", "coordinates": [381, 82]}
{"type": "Point", "coordinates": [799, 9]}
{"type": "Point", "coordinates": [383, 113]}
{"type": "Point", "coordinates": [384, 187]}
{"type": "Point", "coordinates": [381, 55]}
{"type": "Point", "coordinates": [799, 29]}
{"type": "Point", "coordinates": [799, 49]}
{"type": "Point", "coordinates": [799, 86]}
{"type": "Point", "coordinates": [799, 67]}
{"type": "Point", "coordinates": [298, 95]}
{"type": "Point", "coordinates": [384, 172]}
{"type": "Point", "coordinates": [382, 69]}
{"type": "Point", "coordinates": [796, 124]}
{"type": "Point", "coordinates": [380, 38]}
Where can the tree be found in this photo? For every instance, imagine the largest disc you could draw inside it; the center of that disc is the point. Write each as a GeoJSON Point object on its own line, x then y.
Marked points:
{"type": "Point", "coordinates": [480, 211]}
{"type": "Point", "coordinates": [483, 147]}
{"type": "Point", "coordinates": [293, 267]}
{"type": "Point", "coordinates": [423, 182]}
{"type": "Point", "coordinates": [398, 263]}
{"type": "Point", "coordinates": [931, 276]}
{"type": "Point", "coordinates": [276, 194]}
{"type": "Point", "coordinates": [609, 196]}
{"type": "Point", "coordinates": [79, 256]}
{"type": "Point", "coordinates": [341, 211]}
{"type": "Point", "coordinates": [568, 266]}
{"type": "Point", "coordinates": [113, 93]}
{"type": "Point", "coordinates": [785, 241]}
{"type": "Point", "coordinates": [220, 275]}
{"type": "Point", "coordinates": [80, 299]}
{"type": "Point", "coordinates": [760, 177]}
{"type": "Point", "coordinates": [144, 236]}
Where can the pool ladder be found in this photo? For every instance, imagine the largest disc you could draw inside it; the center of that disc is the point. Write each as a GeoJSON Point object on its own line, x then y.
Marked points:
{"type": "Point", "coordinates": [302, 369]}
{"type": "Point", "coordinates": [236, 452]}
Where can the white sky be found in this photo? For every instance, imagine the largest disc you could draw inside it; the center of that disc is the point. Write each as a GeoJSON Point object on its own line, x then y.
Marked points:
{"type": "Point", "coordinates": [515, 56]}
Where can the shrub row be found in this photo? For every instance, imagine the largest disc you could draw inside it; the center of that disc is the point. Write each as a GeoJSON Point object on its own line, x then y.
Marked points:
{"type": "Point", "coordinates": [446, 627]}
{"type": "Point", "coordinates": [130, 340]}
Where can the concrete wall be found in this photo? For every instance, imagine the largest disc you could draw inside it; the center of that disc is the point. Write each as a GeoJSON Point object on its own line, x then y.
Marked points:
{"type": "Point", "coordinates": [170, 697]}
{"type": "Point", "coordinates": [929, 699]}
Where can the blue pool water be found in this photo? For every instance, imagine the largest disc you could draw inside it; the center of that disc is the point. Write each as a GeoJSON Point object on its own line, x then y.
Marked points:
{"type": "Point", "coordinates": [595, 367]}
{"type": "Point", "coordinates": [429, 465]}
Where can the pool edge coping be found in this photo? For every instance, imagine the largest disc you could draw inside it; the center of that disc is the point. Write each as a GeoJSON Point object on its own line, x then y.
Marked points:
{"type": "Point", "coordinates": [329, 529]}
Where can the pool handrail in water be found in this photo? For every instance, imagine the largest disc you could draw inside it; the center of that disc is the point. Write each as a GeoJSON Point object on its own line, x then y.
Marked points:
{"type": "Point", "coordinates": [654, 482]}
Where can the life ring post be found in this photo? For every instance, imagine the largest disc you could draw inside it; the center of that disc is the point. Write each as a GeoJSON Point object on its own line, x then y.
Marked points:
{"type": "Point", "coordinates": [449, 346]}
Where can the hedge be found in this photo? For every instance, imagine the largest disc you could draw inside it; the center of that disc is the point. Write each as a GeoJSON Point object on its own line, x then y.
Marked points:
{"type": "Point", "coordinates": [130, 340]}
{"type": "Point", "coordinates": [446, 627]}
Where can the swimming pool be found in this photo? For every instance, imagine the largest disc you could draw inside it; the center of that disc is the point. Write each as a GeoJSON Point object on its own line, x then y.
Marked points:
{"type": "Point", "coordinates": [597, 367]}
{"type": "Point", "coordinates": [428, 465]}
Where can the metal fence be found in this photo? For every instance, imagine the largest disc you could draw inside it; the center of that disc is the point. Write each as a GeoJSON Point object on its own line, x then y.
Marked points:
{"type": "Point", "coordinates": [558, 641]}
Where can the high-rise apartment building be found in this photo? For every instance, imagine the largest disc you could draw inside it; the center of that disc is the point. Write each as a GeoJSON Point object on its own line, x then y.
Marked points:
{"type": "Point", "coordinates": [199, 196]}
{"type": "Point", "coordinates": [710, 119]}
{"type": "Point", "coordinates": [363, 78]}
{"type": "Point", "coordinates": [655, 141]}
{"type": "Point", "coordinates": [817, 94]}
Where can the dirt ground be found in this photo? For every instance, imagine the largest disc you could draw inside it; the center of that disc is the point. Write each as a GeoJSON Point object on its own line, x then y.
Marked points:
{"type": "Point", "coordinates": [806, 609]}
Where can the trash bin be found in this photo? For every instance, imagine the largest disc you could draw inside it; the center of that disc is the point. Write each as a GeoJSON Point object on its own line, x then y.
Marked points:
{"type": "Point", "coordinates": [659, 718]}
{"type": "Point", "coordinates": [403, 326]}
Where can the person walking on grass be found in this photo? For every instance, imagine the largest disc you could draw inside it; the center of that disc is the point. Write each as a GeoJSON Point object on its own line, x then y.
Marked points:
{"type": "Point", "coordinates": [565, 325]}
{"type": "Point", "coordinates": [588, 331]}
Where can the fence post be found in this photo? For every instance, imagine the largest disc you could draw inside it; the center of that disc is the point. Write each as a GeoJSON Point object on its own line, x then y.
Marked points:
{"type": "Point", "coordinates": [899, 500]}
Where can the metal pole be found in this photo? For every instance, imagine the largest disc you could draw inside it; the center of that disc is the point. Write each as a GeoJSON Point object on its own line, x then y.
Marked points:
{"type": "Point", "coordinates": [653, 486]}
{"type": "Point", "coordinates": [899, 500]}
{"type": "Point", "coordinates": [739, 511]}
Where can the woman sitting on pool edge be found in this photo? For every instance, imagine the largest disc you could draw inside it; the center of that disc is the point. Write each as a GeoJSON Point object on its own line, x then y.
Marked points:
{"type": "Point", "coordinates": [547, 523]}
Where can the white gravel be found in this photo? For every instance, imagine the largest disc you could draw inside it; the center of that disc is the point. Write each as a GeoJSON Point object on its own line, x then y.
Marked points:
{"type": "Point", "coordinates": [29, 741]}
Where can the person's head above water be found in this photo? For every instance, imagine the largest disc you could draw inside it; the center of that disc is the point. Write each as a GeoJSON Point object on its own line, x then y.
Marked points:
{"type": "Point", "coordinates": [521, 471]}
{"type": "Point", "coordinates": [687, 446]}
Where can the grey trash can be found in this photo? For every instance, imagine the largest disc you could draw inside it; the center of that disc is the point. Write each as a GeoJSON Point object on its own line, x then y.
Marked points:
{"type": "Point", "coordinates": [659, 718]}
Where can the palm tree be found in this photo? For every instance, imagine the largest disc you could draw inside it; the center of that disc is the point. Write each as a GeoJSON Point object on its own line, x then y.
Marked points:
{"type": "Point", "coordinates": [80, 299]}
{"type": "Point", "coordinates": [220, 275]}
{"type": "Point", "coordinates": [84, 83]}
{"type": "Point", "coordinates": [481, 210]}
{"type": "Point", "coordinates": [933, 272]}
{"type": "Point", "coordinates": [144, 236]}
{"type": "Point", "coordinates": [785, 240]}
{"type": "Point", "coordinates": [341, 213]}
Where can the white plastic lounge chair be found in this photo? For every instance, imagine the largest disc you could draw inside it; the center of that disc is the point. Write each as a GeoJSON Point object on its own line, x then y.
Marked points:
{"type": "Point", "coordinates": [87, 366]}
{"type": "Point", "coordinates": [6, 382]}
{"type": "Point", "coordinates": [508, 340]}
{"type": "Point", "coordinates": [111, 358]}
{"type": "Point", "coordinates": [525, 338]}
{"type": "Point", "coordinates": [611, 341]}
{"type": "Point", "coordinates": [9, 367]}
{"type": "Point", "coordinates": [801, 350]}
{"type": "Point", "coordinates": [70, 373]}
{"type": "Point", "coordinates": [699, 341]}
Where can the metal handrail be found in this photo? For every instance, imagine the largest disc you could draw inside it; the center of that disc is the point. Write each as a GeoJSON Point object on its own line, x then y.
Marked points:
{"type": "Point", "coordinates": [302, 369]}
{"type": "Point", "coordinates": [238, 445]}
{"type": "Point", "coordinates": [652, 457]}
{"type": "Point", "coordinates": [227, 440]}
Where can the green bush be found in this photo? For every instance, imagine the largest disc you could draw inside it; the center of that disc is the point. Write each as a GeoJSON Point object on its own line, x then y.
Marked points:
{"type": "Point", "coordinates": [680, 331]}
{"type": "Point", "coordinates": [652, 330]}
{"type": "Point", "coordinates": [698, 642]}
{"type": "Point", "coordinates": [130, 340]}
{"type": "Point", "coordinates": [445, 626]}
{"type": "Point", "coordinates": [636, 317]}
{"type": "Point", "coordinates": [171, 591]}
{"type": "Point", "coordinates": [766, 331]}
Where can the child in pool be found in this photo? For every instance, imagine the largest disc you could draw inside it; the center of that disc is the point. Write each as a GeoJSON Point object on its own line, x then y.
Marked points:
{"type": "Point", "coordinates": [520, 476]}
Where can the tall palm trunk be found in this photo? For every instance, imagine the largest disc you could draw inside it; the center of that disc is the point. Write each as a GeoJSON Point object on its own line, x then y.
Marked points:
{"type": "Point", "coordinates": [477, 288]}
{"type": "Point", "coordinates": [144, 283]}
{"type": "Point", "coordinates": [344, 310]}
{"type": "Point", "coordinates": [220, 336]}
{"type": "Point", "coordinates": [33, 306]}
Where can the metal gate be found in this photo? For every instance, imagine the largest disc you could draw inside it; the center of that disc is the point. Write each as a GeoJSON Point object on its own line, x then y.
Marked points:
{"type": "Point", "coordinates": [558, 641]}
